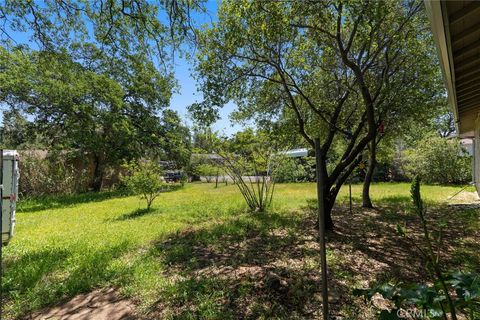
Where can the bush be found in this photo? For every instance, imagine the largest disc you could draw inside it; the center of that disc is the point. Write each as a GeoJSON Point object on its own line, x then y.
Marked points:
{"type": "Point", "coordinates": [291, 170]}
{"type": "Point", "coordinates": [438, 160]}
{"type": "Point", "coordinates": [145, 179]}
{"type": "Point", "coordinates": [254, 175]}
{"type": "Point", "coordinates": [209, 171]}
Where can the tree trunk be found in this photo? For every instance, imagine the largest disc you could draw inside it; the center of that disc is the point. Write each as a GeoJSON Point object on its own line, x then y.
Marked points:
{"type": "Point", "coordinates": [328, 215]}
{"type": "Point", "coordinates": [323, 189]}
{"type": "Point", "coordinates": [366, 201]}
{"type": "Point", "coordinates": [98, 174]}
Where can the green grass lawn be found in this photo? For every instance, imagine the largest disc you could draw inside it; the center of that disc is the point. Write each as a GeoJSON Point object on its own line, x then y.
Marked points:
{"type": "Point", "coordinates": [176, 261]}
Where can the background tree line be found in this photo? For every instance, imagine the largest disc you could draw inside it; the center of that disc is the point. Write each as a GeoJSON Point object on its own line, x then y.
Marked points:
{"type": "Point", "coordinates": [91, 83]}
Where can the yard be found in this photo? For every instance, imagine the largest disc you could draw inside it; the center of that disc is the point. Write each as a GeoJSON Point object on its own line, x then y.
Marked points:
{"type": "Point", "coordinates": [199, 254]}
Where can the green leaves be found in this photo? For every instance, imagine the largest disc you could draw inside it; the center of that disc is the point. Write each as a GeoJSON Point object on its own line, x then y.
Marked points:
{"type": "Point", "coordinates": [102, 107]}
{"type": "Point", "coordinates": [416, 197]}
{"type": "Point", "coordinates": [467, 286]}
{"type": "Point", "coordinates": [430, 299]}
{"type": "Point", "coordinates": [439, 160]}
{"type": "Point", "coordinates": [144, 178]}
{"type": "Point", "coordinates": [401, 230]}
{"type": "Point", "coordinates": [128, 28]}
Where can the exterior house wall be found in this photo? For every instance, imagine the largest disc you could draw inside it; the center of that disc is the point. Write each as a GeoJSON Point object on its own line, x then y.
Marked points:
{"type": "Point", "coordinates": [476, 155]}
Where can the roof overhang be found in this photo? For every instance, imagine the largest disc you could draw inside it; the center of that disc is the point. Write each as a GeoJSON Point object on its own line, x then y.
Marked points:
{"type": "Point", "coordinates": [456, 30]}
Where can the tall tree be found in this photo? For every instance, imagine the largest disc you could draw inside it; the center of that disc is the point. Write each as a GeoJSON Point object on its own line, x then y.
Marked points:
{"type": "Point", "coordinates": [328, 64]}
{"type": "Point", "coordinates": [110, 70]}
{"type": "Point", "coordinates": [117, 27]}
{"type": "Point", "coordinates": [109, 114]}
{"type": "Point", "coordinates": [16, 130]}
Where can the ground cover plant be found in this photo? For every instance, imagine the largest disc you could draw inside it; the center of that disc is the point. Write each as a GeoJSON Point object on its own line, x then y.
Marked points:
{"type": "Point", "coordinates": [199, 253]}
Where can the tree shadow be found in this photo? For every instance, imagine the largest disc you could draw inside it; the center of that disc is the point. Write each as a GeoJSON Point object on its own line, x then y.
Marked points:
{"type": "Point", "coordinates": [266, 265]}
{"type": "Point", "coordinates": [31, 267]}
{"type": "Point", "coordinates": [136, 214]}
{"type": "Point", "coordinates": [54, 275]}
{"type": "Point", "coordinates": [256, 265]}
{"type": "Point", "coordinates": [64, 201]}
{"type": "Point", "coordinates": [378, 250]}
{"type": "Point", "coordinates": [71, 200]}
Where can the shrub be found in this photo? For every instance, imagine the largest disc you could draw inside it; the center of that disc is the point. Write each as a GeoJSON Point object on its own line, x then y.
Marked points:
{"type": "Point", "coordinates": [291, 171]}
{"type": "Point", "coordinates": [438, 160]}
{"type": "Point", "coordinates": [144, 178]}
{"type": "Point", "coordinates": [257, 190]}
{"type": "Point", "coordinates": [209, 171]}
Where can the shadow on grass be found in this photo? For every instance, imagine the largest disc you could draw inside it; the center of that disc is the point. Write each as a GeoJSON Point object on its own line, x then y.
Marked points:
{"type": "Point", "coordinates": [384, 201]}
{"type": "Point", "coordinates": [253, 266]}
{"type": "Point", "coordinates": [266, 265]}
{"type": "Point", "coordinates": [30, 268]}
{"type": "Point", "coordinates": [136, 214]}
{"type": "Point", "coordinates": [45, 277]}
{"type": "Point", "coordinates": [379, 252]}
{"type": "Point", "coordinates": [63, 201]}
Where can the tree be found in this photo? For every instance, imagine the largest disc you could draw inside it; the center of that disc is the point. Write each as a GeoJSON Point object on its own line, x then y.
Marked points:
{"type": "Point", "coordinates": [205, 140]}
{"type": "Point", "coordinates": [445, 124]}
{"type": "Point", "coordinates": [105, 110]}
{"type": "Point", "coordinates": [422, 104]}
{"type": "Point", "coordinates": [206, 170]}
{"type": "Point", "coordinates": [327, 65]}
{"type": "Point", "coordinates": [16, 130]}
{"type": "Point", "coordinates": [118, 28]}
{"type": "Point", "coordinates": [110, 66]}
{"type": "Point", "coordinates": [145, 179]}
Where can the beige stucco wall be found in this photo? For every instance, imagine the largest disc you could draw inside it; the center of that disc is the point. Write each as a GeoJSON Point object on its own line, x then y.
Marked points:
{"type": "Point", "coordinates": [476, 155]}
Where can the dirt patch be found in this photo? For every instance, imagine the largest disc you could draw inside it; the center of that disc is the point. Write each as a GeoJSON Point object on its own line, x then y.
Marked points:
{"type": "Point", "coordinates": [104, 304]}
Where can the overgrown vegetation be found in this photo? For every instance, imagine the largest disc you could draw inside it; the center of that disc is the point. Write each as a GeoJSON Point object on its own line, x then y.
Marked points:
{"type": "Point", "coordinates": [55, 174]}
{"type": "Point", "coordinates": [91, 81]}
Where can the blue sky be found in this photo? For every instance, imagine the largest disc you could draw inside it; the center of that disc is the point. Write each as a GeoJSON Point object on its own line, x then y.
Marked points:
{"type": "Point", "coordinates": [187, 92]}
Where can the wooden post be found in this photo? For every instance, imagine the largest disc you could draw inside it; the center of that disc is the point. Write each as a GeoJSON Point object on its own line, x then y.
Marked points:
{"type": "Point", "coordinates": [321, 225]}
